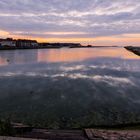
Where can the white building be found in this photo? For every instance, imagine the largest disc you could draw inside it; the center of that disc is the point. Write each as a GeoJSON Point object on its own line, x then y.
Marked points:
{"type": "Point", "coordinates": [8, 42]}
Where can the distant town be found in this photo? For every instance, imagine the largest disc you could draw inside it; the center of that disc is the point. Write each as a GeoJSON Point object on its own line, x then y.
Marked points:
{"type": "Point", "coordinates": [10, 43]}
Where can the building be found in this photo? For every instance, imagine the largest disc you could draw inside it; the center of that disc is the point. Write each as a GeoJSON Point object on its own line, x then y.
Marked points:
{"type": "Point", "coordinates": [23, 43]}
{"type": "Point", "coordinates": [1, 41]}
{"type": "Point", "coordinates": [8, 42]}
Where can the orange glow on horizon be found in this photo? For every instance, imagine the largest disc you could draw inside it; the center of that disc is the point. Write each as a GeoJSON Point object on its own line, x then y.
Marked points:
{"type": "Point", "coordinates": [125, 39]}
{"type": "Point", "coordinates": [3, 33]}
{"type": "Point", "coordinates": [97, 40]}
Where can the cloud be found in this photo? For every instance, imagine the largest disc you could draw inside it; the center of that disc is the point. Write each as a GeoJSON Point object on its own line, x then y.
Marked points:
{"type": "Point", "coordinates": [111, 80]}
{"type": "Point", "coordinates": [95, 18]}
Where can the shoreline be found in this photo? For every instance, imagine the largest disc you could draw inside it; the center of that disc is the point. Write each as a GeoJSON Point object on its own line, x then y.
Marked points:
{"type": "Point", "coordinates": [31, 48]}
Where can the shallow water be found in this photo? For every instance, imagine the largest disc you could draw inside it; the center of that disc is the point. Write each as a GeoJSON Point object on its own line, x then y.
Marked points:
{"type": "Point", "coordinates": [70, 88]}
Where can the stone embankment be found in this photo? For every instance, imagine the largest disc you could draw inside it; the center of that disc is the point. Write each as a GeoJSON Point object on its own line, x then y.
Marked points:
{"type": "Point", "coordinates": [135, 50]}
{"type": "Point", "coordinates": [87, 134]}
{"type": "Point", "coordinates": [94, 134]}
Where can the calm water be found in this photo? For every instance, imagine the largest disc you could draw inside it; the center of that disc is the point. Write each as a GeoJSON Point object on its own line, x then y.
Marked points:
{"type": "Point", "coordinates": [70, 88]}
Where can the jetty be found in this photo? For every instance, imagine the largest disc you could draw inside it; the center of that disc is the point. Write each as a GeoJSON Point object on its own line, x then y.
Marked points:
{"type": "Point", "coordinates": [135, 50]}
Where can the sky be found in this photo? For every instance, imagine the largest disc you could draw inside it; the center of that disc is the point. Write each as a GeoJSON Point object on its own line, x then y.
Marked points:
{"type": "Point", "coordinates": [97, 22]}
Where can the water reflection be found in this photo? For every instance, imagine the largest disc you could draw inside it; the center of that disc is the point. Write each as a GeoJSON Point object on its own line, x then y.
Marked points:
{"type": "Point", "coordinates": [18, 57]}
{"type": "Point", "coordinates": [72, 55]}
{"type": "Point", "coordinates": [87, 87]}
{"type": "Point", "coordinates": [62, 55]}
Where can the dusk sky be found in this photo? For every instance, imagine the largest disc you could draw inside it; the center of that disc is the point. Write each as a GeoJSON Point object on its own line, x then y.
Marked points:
{"type": "Point", "coordinates": [99, 22]}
